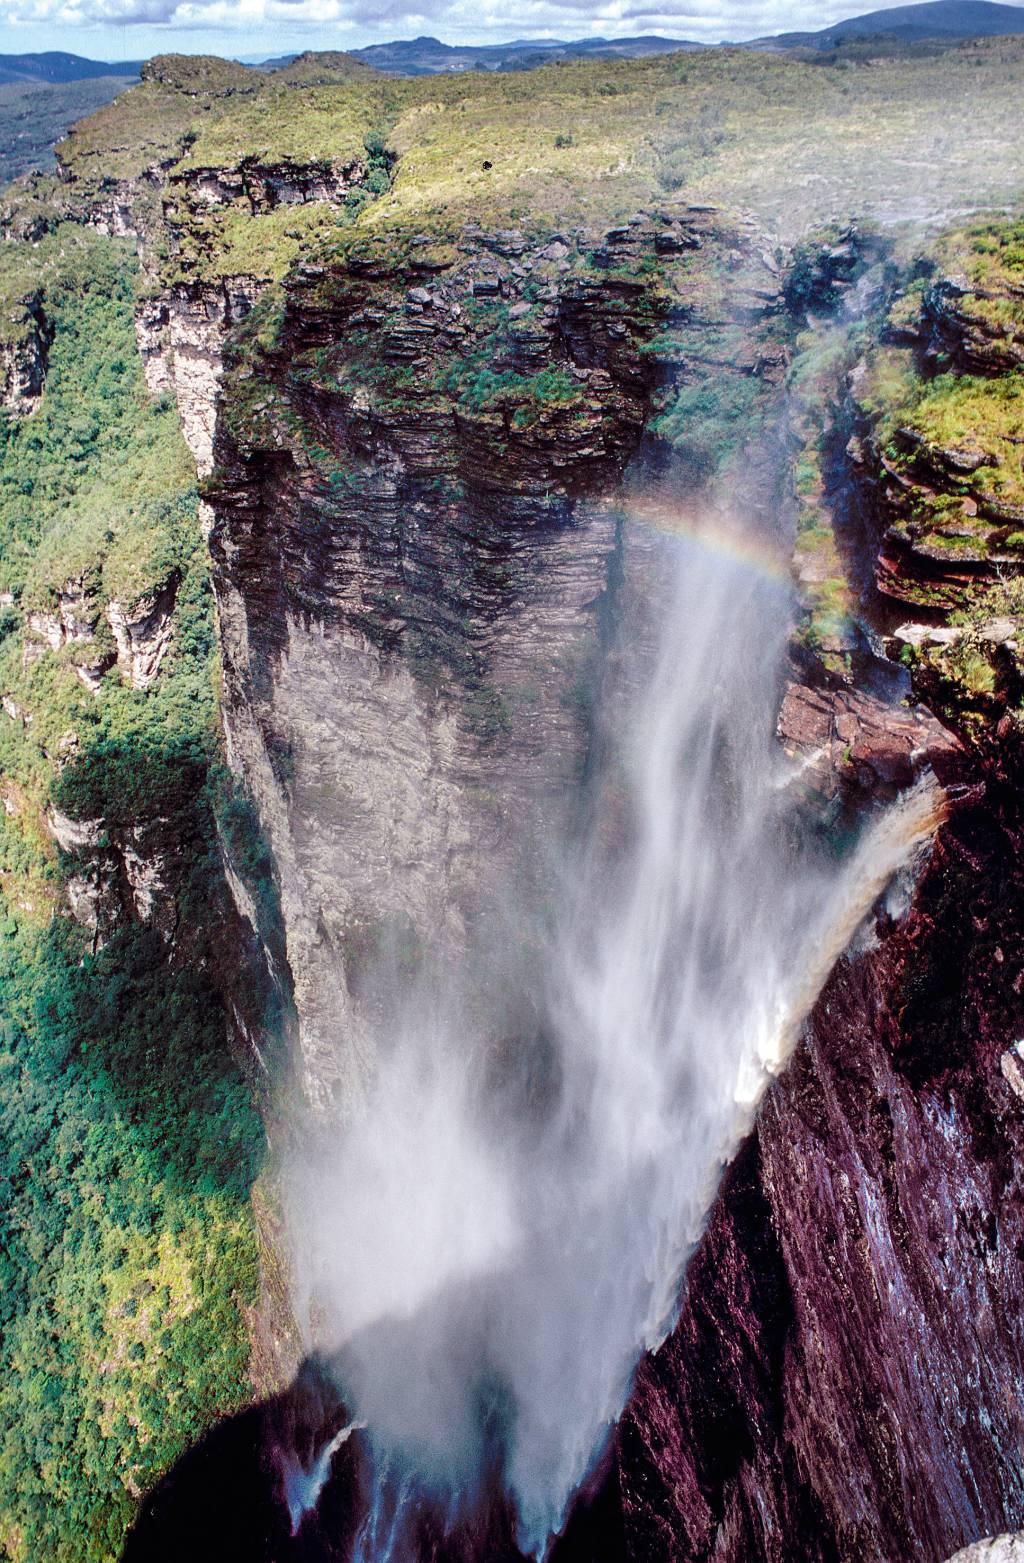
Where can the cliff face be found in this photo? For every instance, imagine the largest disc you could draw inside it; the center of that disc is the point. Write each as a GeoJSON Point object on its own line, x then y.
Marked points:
{"type": "Point", "coordinates": [24, 338]}
{"type": "Point", "coordinates": [414, 538]}
{"type": "Point", "coordinates": [936, 463]}
{"type": "Point", "coordinates": [414, 524]}
{"type": "Point", "coordinates": [843, 1381]}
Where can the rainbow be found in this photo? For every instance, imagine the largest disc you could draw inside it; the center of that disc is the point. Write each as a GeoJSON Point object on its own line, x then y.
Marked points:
{"type": "Point", "coordinates": [711, 531]}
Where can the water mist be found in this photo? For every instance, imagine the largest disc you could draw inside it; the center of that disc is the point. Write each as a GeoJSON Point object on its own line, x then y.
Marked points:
{"type": "Point", "coordinates": [487, 1264]}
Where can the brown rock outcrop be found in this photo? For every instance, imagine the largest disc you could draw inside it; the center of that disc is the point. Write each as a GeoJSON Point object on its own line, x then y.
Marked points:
{"type": "Point", "coordinates": [851, 741]}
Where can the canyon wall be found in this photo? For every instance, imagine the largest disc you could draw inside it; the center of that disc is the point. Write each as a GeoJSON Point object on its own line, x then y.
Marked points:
{"type": "Point", "coordinates": [416, 539]}
{"type": "Point", "coordinates": [844, 1381]}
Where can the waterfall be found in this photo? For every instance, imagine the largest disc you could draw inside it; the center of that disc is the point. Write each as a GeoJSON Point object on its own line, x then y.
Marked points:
{"type": "Point", "coordinates": [303, 1484]}
{"type": "Point", "coordinates": [489, 1264]}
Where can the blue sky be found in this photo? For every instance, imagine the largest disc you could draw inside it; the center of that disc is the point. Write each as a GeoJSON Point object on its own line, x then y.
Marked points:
{"type": "Point", "coordinates": [132, 29]}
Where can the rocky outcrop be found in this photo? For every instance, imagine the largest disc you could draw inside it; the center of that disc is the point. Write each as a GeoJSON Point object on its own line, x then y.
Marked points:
{"type": "Point", "coordinates": [851, 743]}
{"type": "Point", "coordinates": [71, 622]}
{"type": "Point", "coordinates": [943, 532]}
{"type": "Point", "coordinates": [977, 329]}
{"type": "Point", "coordinates": [73, 616]}
{"type": "Point", "coordinates": [142, 632]}
{"type": "Point", "coordinates": [827, 267]}
{"type": "Point", "coordinates": [96, 636]}
{"type": "Point", "coordinates": [117, 872]}
{"type": "Point", "coordinates": [25, 336]}
{"type": "Point", "coordinates": [264, 186]}
{"type": "Point", "coordinates": [936, 467]}
{"type": "Point", "coordinates": [181, 339]}
{"type": "Point", "coordinates": [936, 427]}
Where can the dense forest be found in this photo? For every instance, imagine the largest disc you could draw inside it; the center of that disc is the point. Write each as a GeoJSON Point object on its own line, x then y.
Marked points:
{"type": "Point", "coordinates": [129, 1138]}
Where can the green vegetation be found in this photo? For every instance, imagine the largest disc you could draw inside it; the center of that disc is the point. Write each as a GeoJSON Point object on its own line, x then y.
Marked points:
{"type": "Point", "coordinates": [949, 448]}
{"type": "Point", "coordinates": [966, 414]}
{"type": "Point", "coordinates": [790, 140]}
{"type": "Point", "coordinates": [82, 487]}
{"type": "Point", "coordinates": [990, 254]}
{"type": "Point", "coordinates": [975, 679]}
{"type": "Point", "coordinates": [708, 420]}
{"type": "Point", "coordinates": [285, 124]}
{"type": "Point", "coordinates": [128, 1138]}
{"type": "Point", "coordinates": [231, 242]}
{"type": "Point", "coordinates": [154, 122]}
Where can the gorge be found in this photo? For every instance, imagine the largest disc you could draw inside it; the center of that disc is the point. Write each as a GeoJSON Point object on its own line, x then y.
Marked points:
{"type": "Point", "coordinates": [551, 946]}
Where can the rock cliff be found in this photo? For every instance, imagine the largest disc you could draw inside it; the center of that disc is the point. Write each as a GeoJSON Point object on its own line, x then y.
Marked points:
{"type": "Point", "coordinates": [24, 338]}
{"type": "Point", "coordinates": [415, 538]}
{"type": "Point", "coordinates": [842, 1382]}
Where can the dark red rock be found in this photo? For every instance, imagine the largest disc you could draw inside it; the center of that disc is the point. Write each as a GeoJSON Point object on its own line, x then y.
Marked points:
{"type": "Point", "coordinates": [846, 1381]}
{"type": "Point", "coordinates": [850, 738]}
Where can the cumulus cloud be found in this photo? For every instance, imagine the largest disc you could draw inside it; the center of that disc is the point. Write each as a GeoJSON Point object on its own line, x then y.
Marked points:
{"type": "Point", "coordinates": [456, 21]}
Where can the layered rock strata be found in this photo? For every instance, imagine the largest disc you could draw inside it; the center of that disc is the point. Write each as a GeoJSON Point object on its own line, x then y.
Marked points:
{"type": "Point", "coordinates": [414, 544]}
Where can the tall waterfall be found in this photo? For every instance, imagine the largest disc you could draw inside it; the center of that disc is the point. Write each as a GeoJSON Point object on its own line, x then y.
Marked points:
{"type": "Point", "coordinates": [488, 1265]}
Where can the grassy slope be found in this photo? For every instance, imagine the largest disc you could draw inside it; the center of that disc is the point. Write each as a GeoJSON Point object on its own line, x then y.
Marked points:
{"type": "Point", "coordinates": [983, 415]}
{"type": "Point", "coordinates": [128, 1140]}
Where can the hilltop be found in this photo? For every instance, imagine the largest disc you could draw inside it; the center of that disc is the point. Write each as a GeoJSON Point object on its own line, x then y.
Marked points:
{"type": "Point", "coordinates": [908, 23]}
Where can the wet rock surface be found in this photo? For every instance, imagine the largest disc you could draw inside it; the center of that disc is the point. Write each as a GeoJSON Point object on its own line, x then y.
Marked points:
{"type": "Point", "coordinates": [845, 1378]}
{"type": "Point", "coordinates": [849, 740]}
{"type": "Point", "coordinates": [844, 1382]}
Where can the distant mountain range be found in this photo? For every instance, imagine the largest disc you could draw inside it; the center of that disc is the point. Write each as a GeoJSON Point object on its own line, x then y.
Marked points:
{"type": "Point", "coordinates": [943, 20]}
{"type": "Point", "coordinates": [427, 56]}
{"type": "Point", "coordinates": [56, 68]}
{"type": "Point", "coordinates": [947, 19]}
